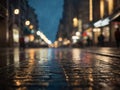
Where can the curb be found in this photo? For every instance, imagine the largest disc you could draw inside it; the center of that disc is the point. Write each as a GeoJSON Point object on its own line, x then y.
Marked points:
{"type": "Point", "coordinates": [110, 55]}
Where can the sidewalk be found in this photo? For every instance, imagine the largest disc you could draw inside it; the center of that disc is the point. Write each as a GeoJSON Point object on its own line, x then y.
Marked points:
{"type": "Point", "coordinates": [105, 51]}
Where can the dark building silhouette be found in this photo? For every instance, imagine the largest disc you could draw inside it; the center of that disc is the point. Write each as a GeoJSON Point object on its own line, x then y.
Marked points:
{"type": "Point", "coordinates": [13, 25]}
{"type": "Point", "coordinates": [3, 28]}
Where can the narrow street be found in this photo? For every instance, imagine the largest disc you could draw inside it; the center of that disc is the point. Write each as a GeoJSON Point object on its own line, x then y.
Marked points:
{"type": "Point", "coordinates": [60, 69]}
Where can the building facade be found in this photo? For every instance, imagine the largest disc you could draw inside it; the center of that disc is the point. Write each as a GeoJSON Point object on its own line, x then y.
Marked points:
{"type": "Point", "coordinates": [13, 21]}
{"type": "Point", "coordinates": [92, 17]}
{"type": "Point", "coordinates": [75, 17]}
{"type": "Point", "coordinates": [3, 29]}
{"type": "Point", "coordinates": [102, 20]}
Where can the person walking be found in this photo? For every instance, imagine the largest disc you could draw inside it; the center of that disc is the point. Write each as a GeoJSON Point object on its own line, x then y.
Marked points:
{"type": "Point", "coordinates": [89, 41]}
{"type": "Point", "coordinates": [117, 37]}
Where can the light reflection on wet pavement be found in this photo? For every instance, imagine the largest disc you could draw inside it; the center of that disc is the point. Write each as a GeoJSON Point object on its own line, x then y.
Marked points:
{"type": "Point", "coordinates": [58, 69]}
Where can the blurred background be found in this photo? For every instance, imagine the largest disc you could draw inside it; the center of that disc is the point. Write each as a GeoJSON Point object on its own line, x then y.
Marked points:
{"type": "Point", "coordinates": [61, 23]}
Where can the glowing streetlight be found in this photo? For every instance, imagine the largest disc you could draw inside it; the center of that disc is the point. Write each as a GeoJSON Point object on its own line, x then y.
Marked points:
{"type": "Point", "coordinates": [31, 26]}
{"type": "Point", "coordinates": [27, 23]}
{"type": "Point", "coordinates": [16, 11]}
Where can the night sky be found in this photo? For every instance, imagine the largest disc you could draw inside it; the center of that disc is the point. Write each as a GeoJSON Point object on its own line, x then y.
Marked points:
{"type": "Point", "coordinates": [49, 13]}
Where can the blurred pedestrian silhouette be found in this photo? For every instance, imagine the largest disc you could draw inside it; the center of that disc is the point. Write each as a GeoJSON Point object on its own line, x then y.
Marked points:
{"type": "Point", "coordinates": [117, 37]}
{"type": "Point", "coordinates": [101, 40]}
{"type": "Point", "coordinates": [89, 41]}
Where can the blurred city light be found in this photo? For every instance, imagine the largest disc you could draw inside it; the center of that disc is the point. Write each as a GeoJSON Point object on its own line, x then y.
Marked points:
{"type": "Point", "coordinates": [98, 23]}
{"type": "Point", "coordinates": [27, 22]}
{"type": "Point", "coordinates": [44, 37]}
{"type": "Point", "coordinates": [31, 37]}
{"type": "Point", "coordinates": [31, 26]}
{"type": "Point", "coordinates": [77, 33]}
{"type": "Point", "coordinates": [16, 11]}
{"type": "Point", "coordinates": [75, 38]}
{"type": "Point", "coordinates": [60, 39]}
{"type": "Point", "coordinates": [26, 39]}
{"type": "Point", "coordinates": [96, 30]}
{"type": "Point", "coordinates": [15, 35]}
{"type": "Point", "coordinates": [75, 22]}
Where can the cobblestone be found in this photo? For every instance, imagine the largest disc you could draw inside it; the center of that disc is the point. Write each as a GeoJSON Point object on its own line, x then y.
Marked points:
{"type": "Point", "coordinates": [63, 69]}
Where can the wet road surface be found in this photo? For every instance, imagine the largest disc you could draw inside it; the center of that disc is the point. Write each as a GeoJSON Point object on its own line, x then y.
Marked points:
{"type": "Point", "coordinates": [59, 69]}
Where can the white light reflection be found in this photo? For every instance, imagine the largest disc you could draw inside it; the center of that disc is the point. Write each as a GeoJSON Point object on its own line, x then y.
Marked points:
{"type": "Point", "coordinates": [16, 57]}
{"type": "Point", "coordinates": [8, 57]}
{"type": "Point", "coordinates": [44, 55]}
{"type": "Point", "coordinates": [76, 55]}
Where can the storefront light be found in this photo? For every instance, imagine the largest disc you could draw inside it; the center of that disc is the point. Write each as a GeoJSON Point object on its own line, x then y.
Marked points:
{"type": "Point", "coordinates": [96, 30]}
{"type": "Point", "coordinates": [98, 23]}
{"type": "Point", "coordinates": [75, 22]}
{"type": "Point", "coordinates": [15, 35]}
{"type": "Point", "coordinates": [75, 37]}
{"type": "Point", "coordinates": [60, 39]}
{"type": "Point", "coordinates": [31, 37]}
{"type": "Point", "coordinates": [105, 22]}
{"type": "Point", "coordinates": [77, 33]}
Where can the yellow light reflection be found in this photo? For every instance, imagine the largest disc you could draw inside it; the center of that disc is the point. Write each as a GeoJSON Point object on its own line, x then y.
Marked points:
{"type": "Point", "coordinates": [76, 55]}
{"type": "Point", "coordinates": [32, 54]}
{"type": "Point", "coordinates": [90, 88]}
{"type": "Point", "coordinates": [90, 77]}
{"type": "Point", "coordinates": [43, 55]}
{"type": "Point", "coordinates": [16, 57]}
{"type": "Point", "coordinates": [18, 83]}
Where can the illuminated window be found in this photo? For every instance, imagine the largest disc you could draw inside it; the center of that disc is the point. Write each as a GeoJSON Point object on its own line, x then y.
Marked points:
{"type": "Point", "coordinates": [110, 6]}
{"type": "Point", "coordinates": [101, 8]}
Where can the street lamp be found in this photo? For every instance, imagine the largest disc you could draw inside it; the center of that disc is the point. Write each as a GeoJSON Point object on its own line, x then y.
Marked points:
{"type": "Point", "coordinates": [27, 22]}
{"type": "Point", "coordinates": [31, 27]}
{"type": "Point", "coordinates": [16, 26]}
{"type": "Point", "coordinates": [16, 11]}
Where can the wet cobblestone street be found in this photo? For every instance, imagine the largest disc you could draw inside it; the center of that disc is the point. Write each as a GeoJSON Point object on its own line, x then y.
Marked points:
{"type": "Point", "coordinates": [58, 69]}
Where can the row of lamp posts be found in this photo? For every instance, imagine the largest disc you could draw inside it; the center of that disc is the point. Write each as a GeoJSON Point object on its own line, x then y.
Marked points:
{"type": "Point", "coordinates": [16, 28]}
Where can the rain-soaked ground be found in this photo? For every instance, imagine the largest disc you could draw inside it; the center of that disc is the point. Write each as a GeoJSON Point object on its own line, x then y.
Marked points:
{"type": "Point", "coordinates": [59, 69]}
